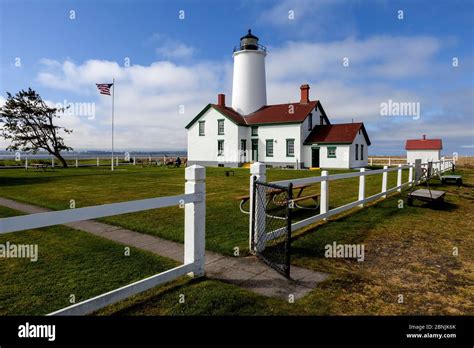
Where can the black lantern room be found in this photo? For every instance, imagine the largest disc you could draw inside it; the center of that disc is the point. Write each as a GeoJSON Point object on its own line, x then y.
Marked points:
{"type": "Point", "coordinates": [249, 42]}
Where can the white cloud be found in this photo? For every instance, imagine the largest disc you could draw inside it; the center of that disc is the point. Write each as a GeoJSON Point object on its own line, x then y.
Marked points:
{"type": "Point", "coordinates": [381, 56]}
{"type": "Point", "coordinates": [169, 48]}
{"type": "Point", "coordinates": [147, 100]}
{"type": "Point", "coordinates": [175, 50]}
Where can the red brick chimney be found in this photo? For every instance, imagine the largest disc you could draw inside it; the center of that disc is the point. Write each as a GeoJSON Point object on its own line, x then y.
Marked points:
{"type": "Point", "coordinates": [304, 94]}
{"type": "Point", "coordinates": [221, 99]}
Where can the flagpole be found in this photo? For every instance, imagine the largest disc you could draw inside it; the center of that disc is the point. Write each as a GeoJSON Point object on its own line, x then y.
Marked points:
{"type": "Point", "coordinates": [113, 100]}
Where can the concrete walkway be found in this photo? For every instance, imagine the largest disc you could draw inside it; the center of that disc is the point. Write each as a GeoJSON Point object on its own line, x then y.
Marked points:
{"type": "Point", "coordinates": [247, 272]}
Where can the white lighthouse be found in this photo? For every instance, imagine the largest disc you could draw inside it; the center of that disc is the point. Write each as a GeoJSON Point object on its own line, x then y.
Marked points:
{"type": "Point", "coordinates": [249, 88]}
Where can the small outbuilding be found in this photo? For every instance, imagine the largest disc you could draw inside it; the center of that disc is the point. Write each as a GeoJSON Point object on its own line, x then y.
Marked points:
{"type": "Point", "coordinates": [428, 150]}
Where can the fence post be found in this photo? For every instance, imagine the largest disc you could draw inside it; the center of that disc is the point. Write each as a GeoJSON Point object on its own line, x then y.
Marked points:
{"type": "Point", "coordinates": [258, 171]}
{"type": "Point", "coordinates": [417, 171]}
{"type": "Point", "coordinates": [371, 161]}
{"type": "Point", "coordinates": [77, 163]}
{"type": "Point", "coordinates": [134, 160]}
{"type": "Point", "coordinates": [399, 178]}
{"type": "Point", "coordinates": [52, 162]}
{"type": "Point", "coordinates": [362, 187]}
{"type": "Point", "coordinates": [26, 162]}
{"type": "Point", "coordinates": [195, 220]}
{"type": "Point", "coordinates": [98, 161]}
{"type": "Point", "coordinates": [389, 161]}
{"type": "Point", "coordinates": [384, 181]}
{"type": "Point", "coordinates": [410, 175]}
{"type": "Point", "coordinates": [324, 194]}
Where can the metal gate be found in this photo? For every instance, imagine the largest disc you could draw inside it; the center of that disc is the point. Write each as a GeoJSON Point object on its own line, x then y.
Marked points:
{"type": "Point", "coordinates": [271, 225]}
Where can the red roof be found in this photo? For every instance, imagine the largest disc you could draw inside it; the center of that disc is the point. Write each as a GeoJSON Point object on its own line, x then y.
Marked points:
{"type": "Point", "coordinates": [280, 113]}
{"type": "Point", "coordinates": [231, 113]}
{"type": "Point", "coordinates": [269, 114]}
{"type": "Point", "coordinates": [424, 144]}
{"type": "Point", "coordinates": [336, 133]}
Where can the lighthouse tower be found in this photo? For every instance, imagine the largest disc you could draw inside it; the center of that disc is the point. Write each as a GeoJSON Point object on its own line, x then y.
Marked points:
{"type": "Point", "coordinates": [249, 88]}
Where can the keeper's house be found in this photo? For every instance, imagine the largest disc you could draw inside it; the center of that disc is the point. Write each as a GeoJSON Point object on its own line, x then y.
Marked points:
{"type": "Point", "coordinates": [428, 150]}
{"type": "Point", "coordinates": [297, 135]}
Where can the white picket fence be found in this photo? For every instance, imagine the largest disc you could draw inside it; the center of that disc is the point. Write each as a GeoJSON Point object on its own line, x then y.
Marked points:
{"type": "Point", "coordinates": [258, 172]}
{"type": "Point", "coordinates": [194, 236]}
{"type": "Point", "coordinates": [393, 161]}
{"type": "Point", "coordinates": [25, 160]}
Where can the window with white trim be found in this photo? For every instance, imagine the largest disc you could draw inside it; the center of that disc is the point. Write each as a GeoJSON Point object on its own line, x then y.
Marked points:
{"type": "Point", "coordinates": [202, 128]}
{"type": "Point", "coordinates": [332, 151]}
{"type": "Point", "coordinates": [220, 147]}
{"type": "Point", "coordinates": [290, 147]}
{"type": "Point", "coordinates": [269, 147]}
{"type": "Point", "coordinates": [220, 127]}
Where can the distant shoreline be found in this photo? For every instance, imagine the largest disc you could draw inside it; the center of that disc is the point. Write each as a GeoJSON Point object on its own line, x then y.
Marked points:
{"type": "Point", "coordinates": [100, 154]}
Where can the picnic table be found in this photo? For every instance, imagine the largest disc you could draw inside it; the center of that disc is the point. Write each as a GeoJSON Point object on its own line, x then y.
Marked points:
{"type": "Point", "coordinates": [426, 196]}
{"type": "Point", "coordinates": [273, 192]}
{"type": "Point", "coordinates": [228, 172]}
{"type": "Point", "coordinates": [455, 178]}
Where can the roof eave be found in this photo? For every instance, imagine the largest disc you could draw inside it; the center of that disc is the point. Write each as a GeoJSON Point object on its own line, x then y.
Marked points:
{"type": "Point", "coordinates": [328, 142]}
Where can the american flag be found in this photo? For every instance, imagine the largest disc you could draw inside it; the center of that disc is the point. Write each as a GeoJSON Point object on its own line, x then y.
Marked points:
{"type": "Point", "coordinates": [104, 88]}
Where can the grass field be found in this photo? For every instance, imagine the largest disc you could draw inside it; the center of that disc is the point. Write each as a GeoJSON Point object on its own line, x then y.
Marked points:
{"type": "Point", "coordinates": [409, 250]}
{"type": "Point", "coordinates": [227, 227]}
{"type": "Point", "coordinates": [70, 262]}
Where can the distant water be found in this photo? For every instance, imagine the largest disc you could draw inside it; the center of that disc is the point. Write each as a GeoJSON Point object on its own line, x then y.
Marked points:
{"type": "Point", "coordinates": [100, 154]}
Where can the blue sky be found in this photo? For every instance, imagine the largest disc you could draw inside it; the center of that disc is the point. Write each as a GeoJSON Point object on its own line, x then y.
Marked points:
{"type": "Point", "coordinates": [176, 63]}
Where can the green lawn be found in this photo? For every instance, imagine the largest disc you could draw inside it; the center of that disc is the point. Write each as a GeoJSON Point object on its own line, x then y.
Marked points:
{"type": "Point", "coordinates": [69, 262]}
{"type": "Point", "coordinates": [226, 226]}
{"type": "Point", "coordinates": [72, 262]}
{"type": "Point", "coordinates": [408, 251]}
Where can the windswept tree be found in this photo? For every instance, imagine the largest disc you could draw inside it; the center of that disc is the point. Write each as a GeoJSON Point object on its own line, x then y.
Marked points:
{"type": "Point", "coordinates": [29, 125]}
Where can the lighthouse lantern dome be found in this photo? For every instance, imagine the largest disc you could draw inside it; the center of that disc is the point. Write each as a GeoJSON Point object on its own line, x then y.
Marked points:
{"type": "Point", "coordinates": [249, 42]}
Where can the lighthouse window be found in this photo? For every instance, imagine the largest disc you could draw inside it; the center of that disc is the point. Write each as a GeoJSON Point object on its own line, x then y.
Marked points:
{"type": "Point", "coordinates": [290, 147]}
{"type": "Point", "coordinates": [357, 152]}
{"type": "Point", "coordinates": [269, 147]}
{"type": "Point", "coordinates": [202, 128]}
{"type": "Point", "coordinates": [220, 147]}
{"type": "Point", "coordinates": [310, 121]}
{"type": "Point", "coordinates": [254, 131]}
{"type": "Point", "coordinates": [361, 152]}
{"type": "Point", "coordinates": [220, 127]}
